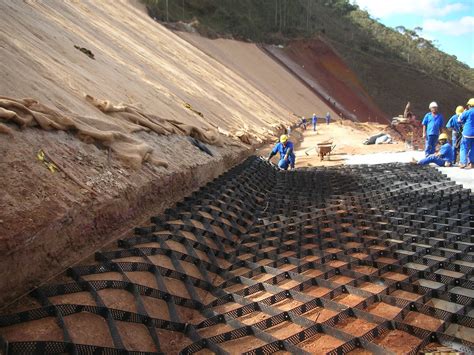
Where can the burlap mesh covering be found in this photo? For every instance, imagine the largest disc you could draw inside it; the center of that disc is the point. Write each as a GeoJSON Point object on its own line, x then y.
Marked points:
{"type": "Point", "coordinates": [115, 133]}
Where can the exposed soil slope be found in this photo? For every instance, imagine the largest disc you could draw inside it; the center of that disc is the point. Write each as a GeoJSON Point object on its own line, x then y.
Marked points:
{"type": "Point", "coordinates": [320, 67]}
{"type": "Point", "coordinates": [259, 69]}
{"type": "Point", "coordinates": [137, 61]}
{"type": "Point", "coordinates": [56, 53]}
{"type": "Point", "coordinates": [391, 85]}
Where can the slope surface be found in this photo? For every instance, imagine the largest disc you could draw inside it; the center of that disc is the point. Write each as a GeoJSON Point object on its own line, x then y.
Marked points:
{"type": "Point", "coordinates": [321, 68]}
{"type": "Point", "coordinates": [259, 69]}
{"type": "Point", "coordinates": [137, 61]}
{"type": "Point", "coordinates": [56, 53]}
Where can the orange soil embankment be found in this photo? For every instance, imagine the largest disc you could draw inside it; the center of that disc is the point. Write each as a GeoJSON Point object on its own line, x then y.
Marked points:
{"type": "Point", "coordinates": [321, 68]}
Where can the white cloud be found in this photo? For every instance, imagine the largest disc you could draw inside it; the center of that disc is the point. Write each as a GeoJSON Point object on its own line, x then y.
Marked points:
{"type": "Point", "coordinates": [456, 28]}
{"type": "Point", "coordinates": [424, 8]}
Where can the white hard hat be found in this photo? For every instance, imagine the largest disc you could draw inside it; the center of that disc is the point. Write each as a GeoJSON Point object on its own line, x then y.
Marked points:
{"type": "Point", "coordinates": [433, 104]}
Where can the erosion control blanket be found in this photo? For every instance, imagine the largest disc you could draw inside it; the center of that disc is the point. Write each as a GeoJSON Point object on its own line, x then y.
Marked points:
{"type": "Point", "coordinates": [114, 130]}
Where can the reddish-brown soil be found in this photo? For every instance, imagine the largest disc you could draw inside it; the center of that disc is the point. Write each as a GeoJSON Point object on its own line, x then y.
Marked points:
{"type": "Point", "coordinates": [320, 344]}
{"type": "Point", "coordinates": [384, 310]}
{"type": "Point", "coordinates": [87, 328]}
{"type": "Point", "coordinates": [421, 320]}
{"type": "Point", "coordinates": [349, 300]}
{"type": "Point", "coordinates": [398, 341]}
{"type": "Point", "coordinates": [242, 345]}
{"type": "Point", "coordinates": [136, 337]}
{"type": "Point", "coordinates": [355, 326]}
{"type": "Point", "coordinates": [409, 296]}
{"type": "Point", "coordinates": [42, 329]}
{"type": "Point", "coordinates": [320, 314]}
{"type": "Point", "coordinates": [284, 330]}
{"type": "Point", "coordinates": [373, 288]}
{"type": "Point", "coordinates": [319, 66]}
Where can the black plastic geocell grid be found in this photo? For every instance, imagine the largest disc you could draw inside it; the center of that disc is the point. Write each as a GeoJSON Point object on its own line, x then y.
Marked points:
{"type": "Point", "coordinates": [405, 228]}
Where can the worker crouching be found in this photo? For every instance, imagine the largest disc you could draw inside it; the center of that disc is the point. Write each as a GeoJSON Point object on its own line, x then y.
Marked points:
{"type": "Point", "coordinates": [287, 155]}
{"type": "Point", "coordinates": [443, 157]}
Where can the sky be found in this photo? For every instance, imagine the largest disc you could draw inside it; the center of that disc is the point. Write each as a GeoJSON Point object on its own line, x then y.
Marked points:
{"type": "Point", "coordinates": [449, 23]}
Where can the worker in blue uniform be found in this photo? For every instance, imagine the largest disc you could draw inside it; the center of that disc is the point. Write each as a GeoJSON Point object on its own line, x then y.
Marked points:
{"type": "Point", "coordinates": [455, 128]}
{"type": "Point", "coordinates": [314, 121]}
{"type": "Point", "coordinates": [432, 123]}
{"type": "Point", "coordinates": [443, 157]}
{"type": "Point", "coordinates": [466, 158]}
{"type": "Point", "coordinates": [287, 155]}
{"type": "Point", "coordinates": [303, 123]}
{"type": "Point", "coordinates": [328, 118]}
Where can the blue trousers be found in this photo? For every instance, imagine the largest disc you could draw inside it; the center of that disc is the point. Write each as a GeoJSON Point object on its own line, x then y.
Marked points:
{"type": "Point", "coordinates": [314, 126]}
{"type": "Point", "coordinates": [466, 154]}
{"type": "Point", "coordinates": [432, 159]}
{"type": "Point", "coordinates": [430, 144]}
{"type": "Point", "coordinates": [454, 136]}
{"type": "Point", "coordinates": [285, 164]}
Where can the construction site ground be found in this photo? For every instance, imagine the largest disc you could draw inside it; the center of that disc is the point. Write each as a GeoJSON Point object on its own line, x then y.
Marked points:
{"type": "Point", "coordinates": [135, 217]}
{"type": "Point", "coordinates": [319, 260]}
{"type": "Point", "coordinates": [347, 139]}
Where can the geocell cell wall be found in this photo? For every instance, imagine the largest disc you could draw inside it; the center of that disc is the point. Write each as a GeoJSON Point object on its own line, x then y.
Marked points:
{"type": "Point", "coordinates": [258, 261]}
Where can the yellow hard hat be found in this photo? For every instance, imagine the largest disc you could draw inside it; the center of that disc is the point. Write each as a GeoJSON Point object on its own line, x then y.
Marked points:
{"type": "Point", "coordinates": [471, 102]}
{"type": "Point", "coordinates": [459, 110]}
{"type": "Point", "coordinates": [283, 138]}
{"type": "Point", "coordinates": [443, 136]}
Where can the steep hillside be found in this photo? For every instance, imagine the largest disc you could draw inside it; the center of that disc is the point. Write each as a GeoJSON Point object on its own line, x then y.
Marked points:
{"type": "Point", "coordinates": [316, 64]}
{"type": "Point", "coordinates": [259, 69]}
{"type": "Point", "coordinates": [77, 171]}
{"type": "Point", "coordinates": [158, 70]}
{"type": "Point", "coordinates": [426, 72]}
{"type": "Point", "coordinates": [392, 84]}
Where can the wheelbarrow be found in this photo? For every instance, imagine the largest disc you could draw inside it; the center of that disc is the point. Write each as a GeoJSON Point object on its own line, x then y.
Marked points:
{"type": "Point", "coordinates": [325, 149]}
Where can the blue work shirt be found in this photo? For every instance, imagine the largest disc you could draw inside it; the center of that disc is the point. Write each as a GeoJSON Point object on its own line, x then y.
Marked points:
{"type": "Point", "coordinates": [433, 123]}
{"type": "Point", "coordinates": [453, 123]}
{"type": "Point", "coordinates": [315, 119]}
{"type": "Point", "coordinates": [446, 152]}
{"type": "Point", "coordinates": [467, 119]}
{"type": "Point", "coordinates": [280, 148]}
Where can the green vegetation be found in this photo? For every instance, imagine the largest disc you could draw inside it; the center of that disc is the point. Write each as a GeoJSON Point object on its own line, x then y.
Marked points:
{"type": "Point", "coordinates": [344, 24]}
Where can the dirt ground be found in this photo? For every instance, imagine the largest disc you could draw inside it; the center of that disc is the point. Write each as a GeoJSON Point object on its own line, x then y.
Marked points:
{"type": "Point", "coordinates": [347, 137]}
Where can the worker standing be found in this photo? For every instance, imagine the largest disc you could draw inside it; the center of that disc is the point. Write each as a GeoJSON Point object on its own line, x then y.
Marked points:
{"type": "Point", "coordinates": [432, 123]}
{"type": "Point", "coordinates": [466, 158]}
{"type": "Point", "coordinates": [328, 118]}
{"type": "Point", "coordinates": [455, 127]}
{"type": "Point", "coordinates": [287, 155]}
{"type": "Point", "coordinates": [443, 157]}
{"type": "Point", "coordinates": [315, 122]}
